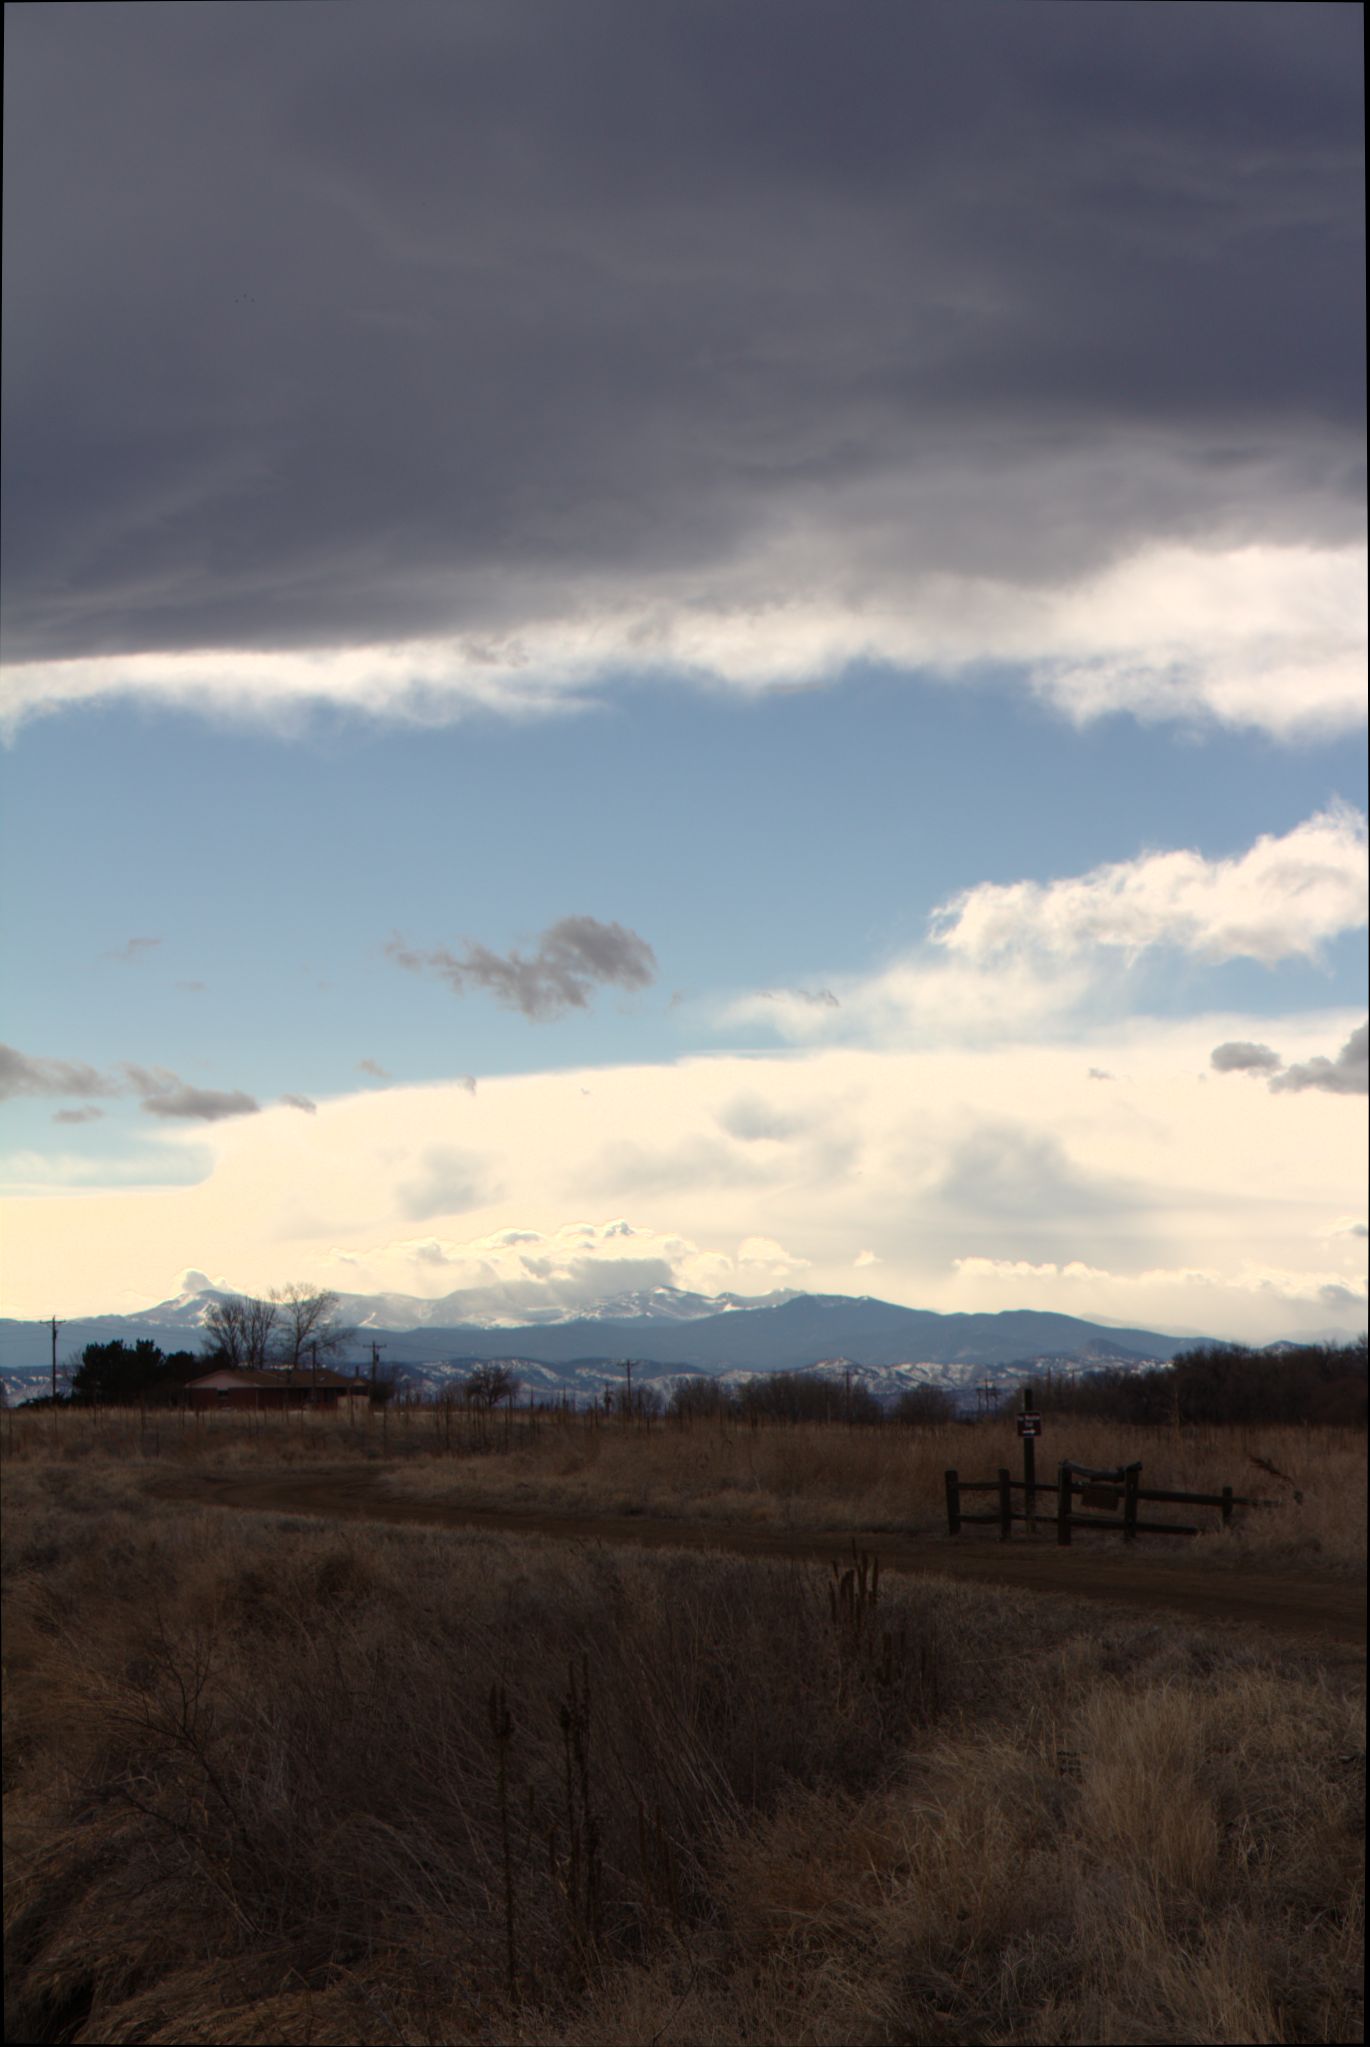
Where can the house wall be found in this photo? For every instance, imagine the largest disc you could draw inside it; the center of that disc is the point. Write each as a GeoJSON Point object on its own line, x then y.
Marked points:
{"type": "Point", "coordinates": [262, 1396]}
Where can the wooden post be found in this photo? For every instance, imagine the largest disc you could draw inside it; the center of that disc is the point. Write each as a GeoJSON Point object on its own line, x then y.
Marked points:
{"type": "Point", "coordinates": [1005, 1504]}
{"type": "Point", "coordinates": [953, 1504]}
{"type": "Point", "coordinates": [1227, 1506]}
{"type": "Point", "coordinates": [1131, 1481]}
{"type": "Point", "coordinates": [1063, 1505]}
{"type": "Point", "coordinates": [1029, 1466]}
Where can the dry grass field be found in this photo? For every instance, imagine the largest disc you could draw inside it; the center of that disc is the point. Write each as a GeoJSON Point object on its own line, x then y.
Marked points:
{"type": "Point", "coordinates": [803, 1476]}
{"type": "Point", "coordinates": [269, 1779]}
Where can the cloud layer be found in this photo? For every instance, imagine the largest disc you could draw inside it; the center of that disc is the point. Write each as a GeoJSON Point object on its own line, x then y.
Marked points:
{"type": "Point", "coordinates": [961, 1177]}
{"type": "Point", "coordinates": [529, 346]}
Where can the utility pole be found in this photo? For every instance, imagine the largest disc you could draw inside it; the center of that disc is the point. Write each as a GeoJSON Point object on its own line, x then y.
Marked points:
{"type": "Point", "coordinates": [55, 1327]}
{"type": "Point", "coordinates": [376, 1349]}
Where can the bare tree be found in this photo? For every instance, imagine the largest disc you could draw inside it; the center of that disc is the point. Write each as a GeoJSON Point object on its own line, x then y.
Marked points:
{"type": "Point", "coordinates": [486, 1385]}
{"type": "Point", "coordinates": [238, 1331]}
{"type": "Point", "coordinates": [308, 1325]}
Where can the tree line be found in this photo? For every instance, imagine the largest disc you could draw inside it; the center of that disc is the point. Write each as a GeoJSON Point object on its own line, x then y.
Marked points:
{"type": "Point", "coordinates": [804, 1397]}
{"type": "Point", "coordinates": [1323, 1383]}
{"type": "Point", "coordinates": [298, 1327]}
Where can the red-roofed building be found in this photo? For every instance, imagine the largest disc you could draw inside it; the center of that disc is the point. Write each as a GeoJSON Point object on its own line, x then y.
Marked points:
{"type": "Point", "coordinates": [232, 1386]}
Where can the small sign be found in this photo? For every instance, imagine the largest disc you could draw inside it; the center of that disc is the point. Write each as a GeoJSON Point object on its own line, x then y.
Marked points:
{"type": "Point", "coordinates": [1029, 1425]}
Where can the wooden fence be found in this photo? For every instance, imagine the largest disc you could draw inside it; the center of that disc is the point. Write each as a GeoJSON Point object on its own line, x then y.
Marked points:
{"type": "Point", "coordinates": [1107, 1490]}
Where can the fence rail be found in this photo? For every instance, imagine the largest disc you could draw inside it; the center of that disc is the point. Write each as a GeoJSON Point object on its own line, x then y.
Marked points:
{"type": "Point", "coordinates": [1101, 1489]}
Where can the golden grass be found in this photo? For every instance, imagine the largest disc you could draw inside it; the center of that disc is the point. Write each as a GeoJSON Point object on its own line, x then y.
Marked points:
{"type": "Point", "coordinates": [258, 1788]}
{"type": "Point", "coordinates": [805, 1476]}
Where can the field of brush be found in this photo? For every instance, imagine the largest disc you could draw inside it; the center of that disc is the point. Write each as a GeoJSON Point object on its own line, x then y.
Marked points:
{"type": "Point", "coordinates": [804, 1476]}
{"type": "Point", "coordinates": [268, 1779]}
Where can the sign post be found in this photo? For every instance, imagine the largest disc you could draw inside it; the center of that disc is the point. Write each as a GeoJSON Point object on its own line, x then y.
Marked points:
{"type": "Point", "coordinates": [1029, 1428]}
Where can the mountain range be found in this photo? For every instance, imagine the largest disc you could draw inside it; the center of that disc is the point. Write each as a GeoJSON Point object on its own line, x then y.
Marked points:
{"type": "Point", "coordinates": [664, 1330]}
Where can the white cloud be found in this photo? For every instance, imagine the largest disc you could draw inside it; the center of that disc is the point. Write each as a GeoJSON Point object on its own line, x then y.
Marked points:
{"type": "Point", "coordinates": [1212, 1298]}
{"type": "Point", "coordinates": [925, 999]}
{"type": "Point", "coordinates": [1264, 636]}
{"type": "Point", "coordinates": [1034, 959]}
{"type": "Point", "coordinates": [1283, 898]}
{"type": "Point", "coordinates": [528, 1275]}
{"type": "Point", "coordinates": [1157, 1174]}
{"type": "Point", "coordinates": [448, 1182]}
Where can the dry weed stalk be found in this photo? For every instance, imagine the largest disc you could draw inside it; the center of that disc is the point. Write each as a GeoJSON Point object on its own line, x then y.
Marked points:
{"type": "Point", "coordinates": [502, 1731]}
{"type": "Point", "coordinates": [578, 1874]}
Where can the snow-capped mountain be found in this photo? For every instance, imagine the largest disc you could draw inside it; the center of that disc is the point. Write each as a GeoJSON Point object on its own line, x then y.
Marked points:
{"type": "Point", "coordinates": [665, 1330]}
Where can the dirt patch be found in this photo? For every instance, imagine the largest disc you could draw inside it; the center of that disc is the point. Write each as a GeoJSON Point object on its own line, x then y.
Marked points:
{"type": "Point", "coordinates": [1332, 1610]}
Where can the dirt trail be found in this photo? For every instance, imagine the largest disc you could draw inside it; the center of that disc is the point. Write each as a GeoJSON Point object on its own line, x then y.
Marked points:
{"type": "Point", "coordinates": [1333, 1610]}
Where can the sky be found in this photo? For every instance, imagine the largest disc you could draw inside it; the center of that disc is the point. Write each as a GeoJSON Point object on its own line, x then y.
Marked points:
{"type": "Point", "coordinates": [686, 645]}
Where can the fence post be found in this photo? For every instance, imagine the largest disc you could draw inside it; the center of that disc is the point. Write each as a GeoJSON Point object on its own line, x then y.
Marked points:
{"type": "Point", "coordinates": [1227, 1506]}
{"type": "Point", "coordinates": [1030, 1465]}
{"type": "Point", "coordinates": [1131, 1480]}
{"type": "Point", "coordinates": [1063, 1505]}
{"type": "Point", "coordinates": [953, 1504]}
{"type": "Point", "coordinates": [1005, 1506]}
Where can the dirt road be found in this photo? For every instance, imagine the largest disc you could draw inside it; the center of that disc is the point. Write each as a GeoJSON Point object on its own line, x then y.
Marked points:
{"type": "Point", "coordinates": [1330, 1609]}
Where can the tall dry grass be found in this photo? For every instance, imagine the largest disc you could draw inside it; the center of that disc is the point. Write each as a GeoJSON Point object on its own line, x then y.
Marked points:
{"type": "Point", "coordinates": [801, 1476]}
{"type": "Point", "coordinates": [267, 1780]}
{"type": "Point", "coordinates": [816, 1475]}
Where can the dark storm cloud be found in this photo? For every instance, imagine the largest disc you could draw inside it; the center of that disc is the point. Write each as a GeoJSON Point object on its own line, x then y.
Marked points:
{"type": "Point", "coordinates": [1347, 1074]}
{"type": "Point", "coordinates": [1240, 1055]}
{"type": "Point", "coordinates": [573, 957]}
{"type": "Point", "coordinates": [338, 324]}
